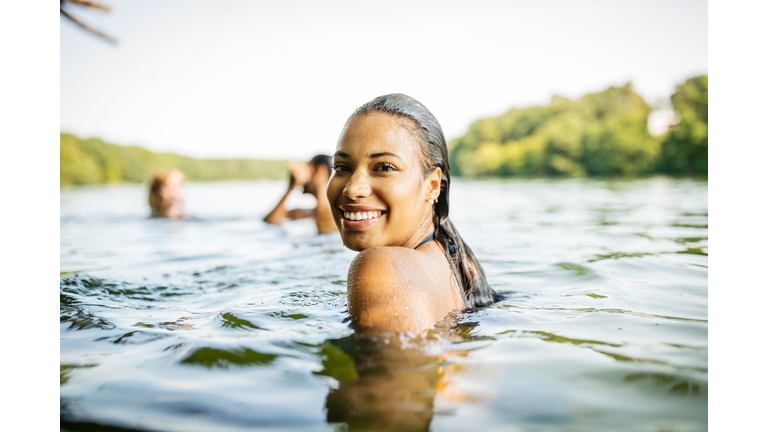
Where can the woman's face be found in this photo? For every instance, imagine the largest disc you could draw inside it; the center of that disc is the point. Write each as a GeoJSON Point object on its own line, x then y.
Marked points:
{"type": "Point", "coordinates": [377, 191]}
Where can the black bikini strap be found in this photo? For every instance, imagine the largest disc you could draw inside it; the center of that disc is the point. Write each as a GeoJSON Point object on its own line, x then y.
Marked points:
{"type": "Point", "coordinates": [430, 238]}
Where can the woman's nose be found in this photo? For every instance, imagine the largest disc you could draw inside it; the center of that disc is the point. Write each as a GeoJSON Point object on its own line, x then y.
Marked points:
{"type": "Point", "coordinates": [358, 186]}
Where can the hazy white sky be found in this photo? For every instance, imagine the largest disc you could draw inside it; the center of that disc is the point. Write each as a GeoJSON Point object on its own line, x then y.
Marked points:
{"type": "Point", "coordinates": [276, 79]}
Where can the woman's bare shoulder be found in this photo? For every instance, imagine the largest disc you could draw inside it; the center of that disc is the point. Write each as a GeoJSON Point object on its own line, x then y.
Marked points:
{"type": "Point", "coordinates": [397, 289]}
{"type": "Point", "coordinates": [391, 264]}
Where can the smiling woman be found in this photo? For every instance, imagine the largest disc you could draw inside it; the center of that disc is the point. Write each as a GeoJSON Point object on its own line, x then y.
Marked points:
{"type": "Point", "coordinates": [389, 197]}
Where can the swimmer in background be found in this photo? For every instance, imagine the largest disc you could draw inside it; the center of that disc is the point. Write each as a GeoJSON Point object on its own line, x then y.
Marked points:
{"type": "Point", "coordinates": [312, 177]}
{"type": "Point", "coordinates": [389, 198]}
{"type": "Point", "coordinates": [165, 197]}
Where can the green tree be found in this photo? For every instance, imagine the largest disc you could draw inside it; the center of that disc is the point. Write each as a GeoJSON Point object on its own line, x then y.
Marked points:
{"type": "Point", "coordinates": [604, 133]}
{"type": "Point", "coordinates": [617, 141]}
{"type": "Point", "coordinates": [76, 166]}
{"type": "Point", "coordinates": [685, 151]}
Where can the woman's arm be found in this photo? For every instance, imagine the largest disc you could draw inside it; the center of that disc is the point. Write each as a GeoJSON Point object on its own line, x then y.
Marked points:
{"type": "Point", "coordinates": [279, 212]}
{"type": "Point", "coordinates": [399, 290]}
{"type": "Point", "coordinates": [299, 176]}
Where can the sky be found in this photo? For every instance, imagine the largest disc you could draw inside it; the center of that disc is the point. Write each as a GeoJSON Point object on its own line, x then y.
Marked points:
{"type": "Point", "coordinates": [274, 80]}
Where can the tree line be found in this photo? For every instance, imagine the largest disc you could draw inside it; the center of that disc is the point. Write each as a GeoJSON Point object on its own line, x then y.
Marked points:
{"type": "Point", "coordinates": [92, 161]}
{"type": "Point", "coordinates": [602, 134]}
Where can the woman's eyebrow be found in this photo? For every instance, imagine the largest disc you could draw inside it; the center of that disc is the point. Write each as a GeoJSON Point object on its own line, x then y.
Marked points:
{"type": "Point", "coordinates": [378, 155]}
{"type": "Point", "coordinates": [341, 154]}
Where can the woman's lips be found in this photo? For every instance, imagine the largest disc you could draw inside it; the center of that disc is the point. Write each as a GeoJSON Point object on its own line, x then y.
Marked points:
{"type": "Point", "coordinates": [358, 220]}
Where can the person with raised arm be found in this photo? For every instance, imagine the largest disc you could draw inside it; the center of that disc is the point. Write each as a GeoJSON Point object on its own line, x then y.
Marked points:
{"type": "Point", "coordinates": [312, 177]}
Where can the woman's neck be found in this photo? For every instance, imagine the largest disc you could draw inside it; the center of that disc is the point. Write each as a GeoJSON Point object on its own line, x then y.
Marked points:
{"type": "Point", "coordinates": [425, 229]}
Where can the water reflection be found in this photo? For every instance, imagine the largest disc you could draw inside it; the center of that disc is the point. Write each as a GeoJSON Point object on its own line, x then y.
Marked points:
{"type": "Point", "coordinates": [387, 384]}
{"type": "Point", "coordinates": [224, 358]}
{"type": "Point", "coordinates": [66, 370]}
{"type": "Point", "coordinates": [382, 386]}
{"type": "Point", "coordinates": [134, 337]}
{"type": "Point", "coordinates": [676, 385]}
{"type": "Point", "coordinates": [231, 321]}
{"type": "Point", "coordinates": [80, 319]}
{"type": "Point", "coordinates": [551, 337]}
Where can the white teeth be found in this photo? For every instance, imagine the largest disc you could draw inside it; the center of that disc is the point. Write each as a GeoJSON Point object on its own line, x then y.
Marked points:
{"type": "Point", "coordinates": [361, 215]}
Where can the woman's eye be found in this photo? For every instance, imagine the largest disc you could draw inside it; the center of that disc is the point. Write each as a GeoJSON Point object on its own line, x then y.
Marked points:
{"type": "Point", "coordinates": [340, 168]}
{"type": "Point", "coordinates": [384, 166]}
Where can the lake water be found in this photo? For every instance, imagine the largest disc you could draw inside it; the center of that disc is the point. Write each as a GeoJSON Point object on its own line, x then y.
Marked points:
{"type": "Point", "coordinates": [224, 323]}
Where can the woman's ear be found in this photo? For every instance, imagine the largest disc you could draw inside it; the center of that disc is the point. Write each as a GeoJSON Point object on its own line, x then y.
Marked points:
{"type": "Point", "coordinates": [433, 183]}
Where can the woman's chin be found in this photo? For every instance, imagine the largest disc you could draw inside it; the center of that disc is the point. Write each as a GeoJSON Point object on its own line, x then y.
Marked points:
{"type": "Point", "coordinates": [354, 243]}
{"type": "Point", "coordinates": [357, 241]}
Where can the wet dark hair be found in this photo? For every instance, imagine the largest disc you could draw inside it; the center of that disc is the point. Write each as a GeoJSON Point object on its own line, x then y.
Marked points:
{"type": "Point", "coordinates": [434, 153]}
{"type": "Point", "coordinates": [322, 159]}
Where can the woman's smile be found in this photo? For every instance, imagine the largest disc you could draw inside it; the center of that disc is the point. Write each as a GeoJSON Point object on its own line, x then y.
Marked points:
{"type": "Point", "coordinates": [356, 217]}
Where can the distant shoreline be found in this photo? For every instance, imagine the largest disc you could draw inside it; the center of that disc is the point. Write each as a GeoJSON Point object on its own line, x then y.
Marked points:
{"type": "Point", "coordinates": [94, 162]}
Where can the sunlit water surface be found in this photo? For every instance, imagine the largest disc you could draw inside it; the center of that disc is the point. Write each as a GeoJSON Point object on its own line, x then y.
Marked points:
{"type": "Point", "coordinates": [224, 323]}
